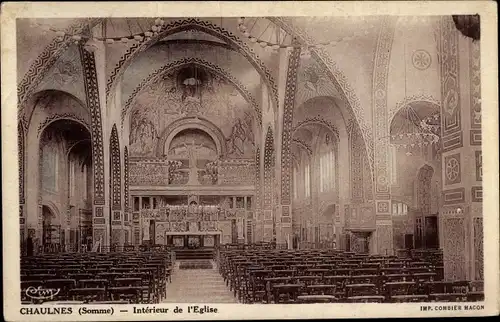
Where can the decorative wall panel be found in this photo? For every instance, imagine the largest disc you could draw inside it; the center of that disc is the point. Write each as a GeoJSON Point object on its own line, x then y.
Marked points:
{"type": "Point", "coordinates": [356, 165]}
{"type": "Point", "coordinates": [454, 244]}
{"type": "Point", "coordinates": [381, 128]}
{"type": "Point", "coordinates": [286, 143]}
{"type": "Point", "coordinates": [479, 165]}
{"type": "Point", "coordinates": [475, 85]}
{"type": "Point", "coordinates": [20, 154]}
{"type": "Point", "coordinates": [116, 170]}
{"type": "Point", "coordinates": [477, 194]}
{"type": "Point", "coordinates": [453, 196]}
{"type": "Point", "coordinates": [453, 171]}
{"type": "Point", "coordinates": [269, 162]}
{"type": "Point", "coordinates": [94, 107]}
{"type": "Point", "coordinates": [478, 249]}
{"type": "Point", "coordinates": [126, 187]}
{"type": "Point", "coordinates": [149, 173]}
{"type": "Point", "coordinates": [450, 88]}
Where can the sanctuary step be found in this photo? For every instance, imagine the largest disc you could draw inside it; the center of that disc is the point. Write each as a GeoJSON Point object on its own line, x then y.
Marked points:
{"type": "Point", "coordinates": [199, 253]}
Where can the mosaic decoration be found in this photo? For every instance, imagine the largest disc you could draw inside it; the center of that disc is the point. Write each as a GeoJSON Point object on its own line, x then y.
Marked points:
{"type": "Point", "coordinates": [303, 145]}
{"type": "Point", "coordinates": [479, 165]}
{"type": "Point", "coordinates": [49, 56]}
{"type": "Point", "coordinates": [356, 164]}
{"type": "Point", "coordinates": [424, 189]}
{"type": "Point", "coordinates": [381, 128]}
{"type": "Point", "coordinates": [21, 161]}
{"type": "Point", "coordinates": [477, 193]}
{"type": "Point", "coordinates": [450, 88]}
{"type": "Point", "coordinates": [421, 59]}
{"type": "Point", "coordinates": [94, 107]}
{"type": "Point", "coordinates": [126, 187]}
{"type": "Point", "coordinates": [339, 80]}
{"type": "Point", "coordinates": [269, 168]}
{"type": "Point", "coordinates": [286, 143]}
{"type": "Point", "coordinates": [453, 196]}
{"type": "Point", "coordinates": [116, 176]}
{"type": "Point", "coordinates": [193, 24]}
{"type": "Point", "coordinates": [62, 116]}
{"type": "Point", "coordinates": [452, 169]}
{"type": "Point", "coordinates": [478, 249]}
{"type": "Point", "coordinates": [454, 244]}
{"type": "Point", "coordinates": [193, 61]}
{"type": "Point", "coordinates": [475, 95]}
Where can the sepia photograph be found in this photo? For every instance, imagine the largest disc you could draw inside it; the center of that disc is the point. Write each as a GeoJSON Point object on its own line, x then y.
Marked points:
{"type": "Point", "coordinates": [258, 160]}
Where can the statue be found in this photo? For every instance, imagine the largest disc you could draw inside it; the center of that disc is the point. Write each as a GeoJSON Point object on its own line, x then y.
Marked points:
{"type": "Point", "coordinates": [193, 167]}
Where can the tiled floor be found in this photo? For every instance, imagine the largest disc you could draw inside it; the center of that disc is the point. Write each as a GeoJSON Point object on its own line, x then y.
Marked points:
{"type": "Point", "coordinates": [198, 286]}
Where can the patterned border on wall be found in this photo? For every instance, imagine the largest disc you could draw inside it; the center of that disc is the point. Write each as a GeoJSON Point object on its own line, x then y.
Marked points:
{"type": "Point", "coordinates": [454, 245]}
{"type": "Point", "coordinates": [193, 24]}
{"type": "Point", "coordinates": [116, 170]}
{"type": "Point", "coordinates": [286, 139]}
{"type": "Point", "coordinates": [339, 80]}
{"type": "Point", "coordinates": [453, 141]}
{"type": "Point", "coordinates": [479, 165]}
{"type": "Point", "coordinates": [65, 116]}
{"type": "Point", "coordinates": [356, 167]}
{"type": "Point", "coordinates": [393, 110]}
{"type": "Point", "coordinates": [476, 137]}
{"type": "Point", "coordinates": [380, 91]}
{"type": "Point", "coordinates": [44, 62]}
{"type": "Point", "coordinates": [126, 187]}
{"type": "Point", "coordinates": [269, 169]}
{"type": "Point", "coordinates": [160, 72]}
{"type": "Point", "coordinates": [317, 120]}
{"type": "Point", "coordinates": [303, 145]}
{"type": "Point", "coordinates": [258, 187]}
{"type": "Point", "coordinates": [450, 83]}
{"type": "Point", "coordinates": [453, 196]}
{"type": "Point", "coordinates": [475, 85]}
{"type": "Point", "coordinates": [99, 221]}
{"type": "Point", "coordinates": [21, 161]}
{"type": "Point", "coordinates": [477, 194]}
{"type": "Point", "coordinates": [478, 249]}
{"type": "Point", "coordinates": [94, 107]}
{"type": "Point", "coordinates": [99, 212]}
{"type": "Point", "coordinates": [452, 169]}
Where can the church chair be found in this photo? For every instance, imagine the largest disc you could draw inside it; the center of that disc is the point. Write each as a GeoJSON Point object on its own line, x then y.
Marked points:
{"type": "Point", "coordinates": [475, 296]}
{"type": "Point", "coordinates": [460, 287]}
{"type": "Point", "coordinates": [364, 271]}
{"type": "Point", "coordinates": [361, 289]}
{"type": "Point", "coordinates": [45, 276]}
{"type": "Point", "coordinates": [133, 294]}
{"type": "Point", "coordinates": [477, 286]}
{"type": "Point", "coordinates": [438, 287]}
{"type": "Point", "coordinates": [342, 271]}
{"type": "Point", "coordinates": [321, 289]}
{"type": "Point", "coordinates": [286, 293]}
{"type": "Point", "coordinates": [409, 298]}
{"type": "Point", "coordinates": [396, 277]}
{"type": "Point", "coordinates": [258, 285]}
{"type": "Point", "coordinates": [360, 279]}
{"type": "Point", "coordinates": [391, 289]}
{"type": "Point", "coordinates": [320, 298]}
{"type": "Point", "coordinates": [88, 294]}
{"type": "Point", "coordinates": [93, 283]}
{"type": "Point", "coordinates": [283, 272]}
{"type": "Point", "coordinates": [366, 299]}
{"type": "Point", "coordinates": [316, 271]}
{"type": "Point", "coordinates": [307, 280]}
{"type": "Point", "coordinates": [63, 285]}
{"type": "Point", "coordinates": [448, 297]}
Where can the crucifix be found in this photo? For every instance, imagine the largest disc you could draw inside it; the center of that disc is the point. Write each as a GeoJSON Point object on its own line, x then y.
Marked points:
{"type": "Point", "coordinates": [193, 167]}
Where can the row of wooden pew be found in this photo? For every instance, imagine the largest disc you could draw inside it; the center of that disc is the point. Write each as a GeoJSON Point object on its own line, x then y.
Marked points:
{"type": "Point", "coordinates": [131, 277]}
{"type": "Point", "coordinates": [298, 276]}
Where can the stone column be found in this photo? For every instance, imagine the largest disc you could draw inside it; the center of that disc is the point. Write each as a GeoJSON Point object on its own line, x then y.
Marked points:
{"type": "Point", "coordinates": [461, 211]}
{"type": "Point", "coordinates": [382, 241]}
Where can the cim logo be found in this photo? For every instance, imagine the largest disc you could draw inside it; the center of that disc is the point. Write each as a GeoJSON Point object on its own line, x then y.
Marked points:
{"type": "Point", "coordinates": [41, 293]}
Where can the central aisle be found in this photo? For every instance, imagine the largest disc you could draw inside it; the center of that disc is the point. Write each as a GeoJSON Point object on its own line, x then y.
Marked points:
{"type": "Point", "coordinates": [198, 286]}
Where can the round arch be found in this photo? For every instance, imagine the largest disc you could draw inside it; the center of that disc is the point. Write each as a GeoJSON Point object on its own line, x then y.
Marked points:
{"type": "Point", "coordinates": [199, 25]}
{"type": "Point", "coordinates": [191, 123]}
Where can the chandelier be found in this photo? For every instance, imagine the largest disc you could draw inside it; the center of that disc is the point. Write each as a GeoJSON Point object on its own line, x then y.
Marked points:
{"type": "Point", "coordinates": [138, 31]}
{"type": "Point", "coordinates": [268, 35]}
{"type": "Point", "coordinates": [414, 132]}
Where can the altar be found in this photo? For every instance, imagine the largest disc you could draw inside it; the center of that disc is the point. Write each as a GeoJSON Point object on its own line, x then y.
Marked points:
{"type": "Point", "coordinates": [193, 237]}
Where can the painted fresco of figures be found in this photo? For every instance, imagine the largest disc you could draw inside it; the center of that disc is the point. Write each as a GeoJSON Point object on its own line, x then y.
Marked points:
{"type": "Point", "coordinates": [241, 142]}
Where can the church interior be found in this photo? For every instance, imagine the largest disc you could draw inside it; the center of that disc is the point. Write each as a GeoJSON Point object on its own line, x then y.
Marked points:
{"type": "Point", "coordinates": [251, 159]}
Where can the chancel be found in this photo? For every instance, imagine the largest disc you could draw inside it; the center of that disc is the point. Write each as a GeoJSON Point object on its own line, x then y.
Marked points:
{"type": "Point", "coordinates": [250, 159]}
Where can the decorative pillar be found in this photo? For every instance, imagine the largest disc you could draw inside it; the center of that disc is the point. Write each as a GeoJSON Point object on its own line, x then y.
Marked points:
{"type": "Point", "coordinates": [286, 141]}
{"type": "Point", "coordinates": [258, 215]}
{"type": "Point", "coordinates": [93, 95]}
{"type": "Point", "coordinates": [269, 163]}
{"type": "Point", "coordinates": [382, 241]}
{"type": "Point", "coordinates": [461, 230]}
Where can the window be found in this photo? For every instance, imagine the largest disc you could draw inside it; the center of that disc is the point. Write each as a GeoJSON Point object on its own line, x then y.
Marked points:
{"type": "Point", "coordinates": [307, 181]}
{"type": "Point", "coordinates": [327, 171]}
{"type": "Point", "coordinates": [399, 208]}
{"type": "Point", "coordinates": [50, 168]}
{"type": "Point", "coordinates": [72, 184]}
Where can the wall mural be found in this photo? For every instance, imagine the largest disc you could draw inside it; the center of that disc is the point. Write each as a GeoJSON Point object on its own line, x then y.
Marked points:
{"type": "Point", "coordinates": [191, 91]}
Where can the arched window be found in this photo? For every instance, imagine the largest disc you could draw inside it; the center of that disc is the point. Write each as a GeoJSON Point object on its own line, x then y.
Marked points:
{"type": "Point", "coordinates": [50, 167]}
{"type": "Point", "coordinates": [327, 171]}
{"type": "Point", "coordinates": [307, 181]}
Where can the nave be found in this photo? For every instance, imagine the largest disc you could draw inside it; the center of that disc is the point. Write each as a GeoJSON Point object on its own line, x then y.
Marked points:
{"type": "Point", "coordinates": [244, 274]}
